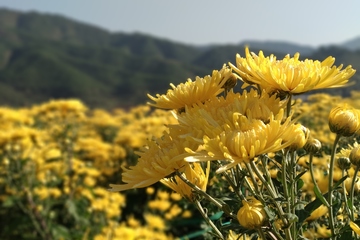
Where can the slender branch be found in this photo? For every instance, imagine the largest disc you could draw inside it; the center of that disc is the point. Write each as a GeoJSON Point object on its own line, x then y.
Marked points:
{"type": "Point", "coordinates": [248, 166]}
{"type": "Point", "coordinates": [223, 207]}
{"type": "Point", "coordinates": [311, 165]}
{"type": "Point", "coordinates": [331, 182]}
{"type": "Point", "coordinates": [274, 196]}
{"type": "Point", "coordinates": [207, 219]}
{"type": "Point", "coordinates": [288, 106]}
{"type": "Point", "coordinates": [352, 193]}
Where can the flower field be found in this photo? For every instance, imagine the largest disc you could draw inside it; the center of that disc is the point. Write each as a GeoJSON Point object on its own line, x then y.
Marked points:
{"type": "Point", "coordinates": [206, 160]}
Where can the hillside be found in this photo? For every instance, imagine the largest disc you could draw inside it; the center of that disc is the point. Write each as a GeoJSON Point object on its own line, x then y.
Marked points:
{"type": "Point", "coordinates": [49, 56]}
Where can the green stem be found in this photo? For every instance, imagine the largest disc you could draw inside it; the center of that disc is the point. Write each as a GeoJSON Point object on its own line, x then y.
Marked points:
{"type": "Point", "coordinates": [284, 180]}
{"type": "Point", "coordinates": [207, 219]}
{"type": "Point", "coordinates": [288, 106]}
{"type": "Point", "coordinates": [198, 190]}
{"type": "Point", "coordinates": [255, 184]}
{"type": "Point", "coordinates": [314, 180]}
{"type": "Point", "coordinates": [261, 234]}
{"type": "Point", "coordinates": [264, 163]}
{"type": "Point", "coordinates": [223, 207]}
{"type": "Point", "coordinates": [293, 191]}
{"type": "Point", "coordinates": [352, 216]}
{"type": "Point", "coordinates": [348, 211]}
{"type": "Point", "coordinates": [274, 196]}
{"type": "Point", "coordinates": [233, 184]}
{"type": "Point", "coordinates": [331, 182]}
{"type": "Point", "coordinates": [248, 185]}
{"type": "Point", "coordinates": [33, 220]}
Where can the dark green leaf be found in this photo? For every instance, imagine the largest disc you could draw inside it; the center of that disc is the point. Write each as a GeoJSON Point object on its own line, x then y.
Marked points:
{"type": "Point", "coordinates": [320, 196]}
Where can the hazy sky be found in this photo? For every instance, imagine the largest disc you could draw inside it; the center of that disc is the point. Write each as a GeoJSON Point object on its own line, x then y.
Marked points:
{"type": "Point", "coordinates": [307, 22]}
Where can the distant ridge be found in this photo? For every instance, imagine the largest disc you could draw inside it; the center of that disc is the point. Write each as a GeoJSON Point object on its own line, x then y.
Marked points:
{"type": "Point", "coordinates": [353, 44]}
{"type": "Point", "coordinates": [46, 57]}
{"type": "Point", "coordinates": [279, 46]}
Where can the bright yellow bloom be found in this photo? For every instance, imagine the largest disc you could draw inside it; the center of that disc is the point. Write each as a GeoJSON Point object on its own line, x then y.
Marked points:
{"type": "Point", "coordinates": [344, 120]}
{"type": "Point", "coordinates": [355, 227]}
{"type": "Point", "coordinates": [252, 214]}
{"type": "Point", "coordinates": [195, 174]}
{"type": "Point", "coordinates": [222, 111]}
{"type": "Point", "coordinates": [161, 158]}
{"type": "Point", "coordinates": [290, 75]}
{"type": "Point", "coordinates": [236, 112]}
{"type": "Point", "coordinates": [189, 93]}
{"type": "Point", "coordinates": [255, 138]}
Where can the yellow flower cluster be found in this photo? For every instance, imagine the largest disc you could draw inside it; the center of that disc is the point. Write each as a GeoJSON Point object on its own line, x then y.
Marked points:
{"type": "Point", "coordinates": [267, 159]}
{"type": "Point", "coordinates": [57, 159]}
{"type": "Point", "coordinates": [254, 138]}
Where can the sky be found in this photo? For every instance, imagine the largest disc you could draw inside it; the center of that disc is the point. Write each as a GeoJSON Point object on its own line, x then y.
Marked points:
{"type": "Point", "coordinates": [198, 22]}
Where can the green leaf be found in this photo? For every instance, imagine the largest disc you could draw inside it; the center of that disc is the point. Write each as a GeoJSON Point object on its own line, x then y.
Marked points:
{"type": "Point", "coordinates": [217, 215]}
{"type": "Point", "coordinates": [298, 177]}
{"type": "Point", "coordinates": [72, 209]}
{"type": "Point", "coordinates": [309, 208]}
{"type": "Point", "coordinates": [320, 196]}
{"type": "Point", "coordinates": [337, 184]}
{"type": "Point", "coordinates": [300, 183]}
{"type": "Point", "coordinates": [60, 232]}
{"type": "Point", "coordinates": [9, 202]}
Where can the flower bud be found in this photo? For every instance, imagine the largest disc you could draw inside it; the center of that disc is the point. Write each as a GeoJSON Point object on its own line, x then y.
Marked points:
{"type": "Point", "coordinates": [252, 214]}
{"type": "Point", "coordinates": [312, 145]}
{"type": "Point", "coordinates": [355, 156]}
{"type": "Point", "coordinates": [344, 120]}
{"type": "Point", "coordinates": [344, 163]}
{"type": "Point", "coordinates": [231, 81]}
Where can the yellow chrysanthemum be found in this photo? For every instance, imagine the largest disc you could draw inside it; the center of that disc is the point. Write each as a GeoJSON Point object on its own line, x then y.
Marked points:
{"type": "Point", "coordinates": [195, 174]}
{"type": "Point", "coordinates": [252, 214]}
{"type": "Point", "coordinates": [253, 138]}
{"type": "Point", "coordinates": [161, 158]}
{"type": "Point", "coordinates": [188, 93]}
{"type": "Point", "coordinates": [212, 117]}
{"type": "Point", "coordinates": [290, 75]}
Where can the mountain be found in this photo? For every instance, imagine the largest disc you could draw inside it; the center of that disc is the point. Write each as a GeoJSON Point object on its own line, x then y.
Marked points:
{"type": "Point", "coordinates": [46, 57]}
{"type": "Point", "coordinates": [279, 47]}
{"type": "Point", "coordinates": [353, 44]}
